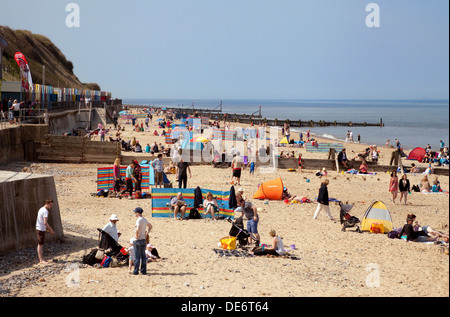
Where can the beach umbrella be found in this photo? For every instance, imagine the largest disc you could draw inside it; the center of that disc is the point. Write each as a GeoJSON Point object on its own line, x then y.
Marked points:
{"type": "Point", "coordinates": [159, 119]}
{"type": "Point", "coordinates": [123, 112]}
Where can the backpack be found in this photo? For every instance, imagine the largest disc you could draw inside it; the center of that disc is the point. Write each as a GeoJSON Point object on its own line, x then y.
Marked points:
{"type": "Point", "coordinates": [194, 214]}
{"type": "Point", "coordinates": [393, 234]}
{"type": "Point", "coordinates": [90, 257]}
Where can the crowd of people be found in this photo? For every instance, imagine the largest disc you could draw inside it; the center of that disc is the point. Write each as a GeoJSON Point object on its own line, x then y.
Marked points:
{"type": "Point", "coordinates": [142, 251]}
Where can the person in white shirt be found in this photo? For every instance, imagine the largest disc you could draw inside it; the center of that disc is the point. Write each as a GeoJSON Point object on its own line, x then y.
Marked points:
{"type": "Point", "coordinates": [139, 244]}
{"type": "Point", "coordinates": [111, 228]}
{"type": "Point", "coordinates": [42, 226]}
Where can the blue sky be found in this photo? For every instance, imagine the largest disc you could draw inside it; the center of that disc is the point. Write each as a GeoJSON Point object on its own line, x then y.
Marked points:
{"type": "Point", "coordinates": [249, 49]}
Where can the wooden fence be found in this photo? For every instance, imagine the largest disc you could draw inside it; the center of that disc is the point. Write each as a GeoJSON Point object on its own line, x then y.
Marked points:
{"type": "Point", "coordinates": [76, 149]}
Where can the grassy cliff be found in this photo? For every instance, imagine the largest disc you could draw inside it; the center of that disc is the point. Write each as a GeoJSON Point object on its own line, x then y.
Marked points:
{"type": "Point", "coordinates": [39, 51]}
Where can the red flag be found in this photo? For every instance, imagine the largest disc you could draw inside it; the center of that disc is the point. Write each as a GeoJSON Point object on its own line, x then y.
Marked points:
{"type": "Point", "coordinates": [27, 82]}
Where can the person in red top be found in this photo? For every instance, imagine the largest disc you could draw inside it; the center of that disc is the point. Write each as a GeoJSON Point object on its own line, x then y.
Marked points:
{"type": "Point", "coordinates": [363, 168]}
{"type": "Point", "coordinates": [393, 185]}
{"type": "Point", "coordinates": [300, 162]}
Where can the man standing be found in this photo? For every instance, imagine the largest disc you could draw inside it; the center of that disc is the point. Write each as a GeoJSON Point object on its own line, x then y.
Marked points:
{"type": "Point", "coordinates": [236, 166]}
{"type": "Point", "coordinates": [42, 226]}
{"type": "Point", "coordinates": [251, 213]}
{"type": "Point", "coordinates": [129, 180]}
{"type": "Point", "coordinates": [181, 170]}
{"type": "Point", "coordinates": [158, 167]}
{"type": "Point", "coordinates": [139, 244]}
{"type": "Point", "coordinates": [323, 201]}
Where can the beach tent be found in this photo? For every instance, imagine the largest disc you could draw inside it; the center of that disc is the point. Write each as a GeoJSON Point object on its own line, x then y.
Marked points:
{"type": "Point", "coordinates": [377, 213]}
{"type": "Point", "coordinates": [284, 141]}
{"type": "Point", "coordinates": [272, 190]}
{"type": "Point", "coordinates": [416, 154]}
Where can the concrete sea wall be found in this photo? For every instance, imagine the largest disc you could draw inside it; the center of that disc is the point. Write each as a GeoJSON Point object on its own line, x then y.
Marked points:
{"type": "Point", "coordinates": [21, 197]}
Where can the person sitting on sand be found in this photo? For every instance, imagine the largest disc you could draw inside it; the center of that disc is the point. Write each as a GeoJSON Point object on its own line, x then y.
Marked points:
{"type": "Point", "coordinates": [363, 168]}
{"type": "Point", "coordinates": [151, 253]}
{"type": "Point", "coordinates": [275, 249]}
{"type": "Point", "coordinates": [409, 234]}
{"type": "Point", "coordinates": [138, 148]}
{"type": "Point", "coordinates": [425, 185]}
{"type": "Point", "coordinates": [426, 230]}
{"type": "Point", "coordinates": [414, 168]}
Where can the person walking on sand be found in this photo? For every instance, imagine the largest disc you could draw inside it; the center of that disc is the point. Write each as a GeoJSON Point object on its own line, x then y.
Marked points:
{"type": "Point", "coordinates": [404, 187]}
{"type": "Point", "coordinates": [42, 226]}
{"type": "Point", "coordinates": [393, 186]}
{"type": "Point", "coordinates": [142, 229]}
{"type": "Point", "coordinates": [322, 201]}
{"type": "Point", "coordinates": [236, 166]}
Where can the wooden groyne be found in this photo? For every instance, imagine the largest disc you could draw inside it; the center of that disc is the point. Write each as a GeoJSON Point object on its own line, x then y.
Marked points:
{"type": "Point", "coordinates": [257, 119]}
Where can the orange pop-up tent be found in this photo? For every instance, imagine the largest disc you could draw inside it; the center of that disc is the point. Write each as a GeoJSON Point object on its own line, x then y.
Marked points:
{"type": "Point", "coordinates": [272, 190]}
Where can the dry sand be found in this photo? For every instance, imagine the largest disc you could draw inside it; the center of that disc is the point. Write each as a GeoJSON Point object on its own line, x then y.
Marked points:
{"type": "Point", "coordinates": [330, 262]}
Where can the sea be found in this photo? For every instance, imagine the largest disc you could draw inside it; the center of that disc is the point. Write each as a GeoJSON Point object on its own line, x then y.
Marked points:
{"type": "Point", "coordinates": [415, 123]}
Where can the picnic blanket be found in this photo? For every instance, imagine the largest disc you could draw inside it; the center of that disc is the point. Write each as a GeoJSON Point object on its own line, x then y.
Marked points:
{"type": "Point", "coordinates": [161, 197]}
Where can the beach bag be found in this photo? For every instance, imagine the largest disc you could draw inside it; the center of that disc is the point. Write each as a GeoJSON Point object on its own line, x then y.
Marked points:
{"type": "Point", "coordinates": [376, 227]}
{"type": "Point", "coordinates": [228, 243]}
{"type": "Point", "coordinates": [89, 258]}
{"type": "Point", "coordinates": [393, 234]}
{"type": "Point", "coordinates": [99, 254]}
{"type": "Point", "coordinates": [106, 261]}
{"type": "Point", "coordinates": [194, 214]}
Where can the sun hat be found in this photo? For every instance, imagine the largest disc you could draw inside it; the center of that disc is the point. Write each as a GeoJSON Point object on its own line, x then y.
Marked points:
{"type": "Point", "coordinates": [138, 210]}
{"type": "Point", "coordinates": [113, 217]}
{"type": "Point", "coordinates": [240, 189]}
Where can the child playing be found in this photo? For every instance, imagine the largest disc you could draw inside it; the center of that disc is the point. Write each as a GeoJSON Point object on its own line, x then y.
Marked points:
{"type": "Point", "coordinates": [151, 253]}
{"type": "Point", "coordinates": [130, 251]}
{"type": "Point", "coordinates": [252, 168]}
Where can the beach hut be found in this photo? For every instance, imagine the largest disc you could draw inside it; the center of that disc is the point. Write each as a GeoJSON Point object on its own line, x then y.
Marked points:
{"type": "Point", "coordinates": [416, 154]}
{"type": "Point", "coordinates": [272, 190]}
{"type": "Point", "coordinates": [376, 214]}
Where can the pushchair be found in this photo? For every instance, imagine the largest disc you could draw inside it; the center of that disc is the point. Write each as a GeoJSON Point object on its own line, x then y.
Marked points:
{"type": "Point", "coordinates": [111, 247]}
{"type": "Point", "coordinates": [348, 221]}
{"type": "Point", "coordinates": [237, 230]}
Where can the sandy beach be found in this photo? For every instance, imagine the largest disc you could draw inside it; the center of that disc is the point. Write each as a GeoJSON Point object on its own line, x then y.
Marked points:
{"type": "Point", "coordinates": [329, 262]}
